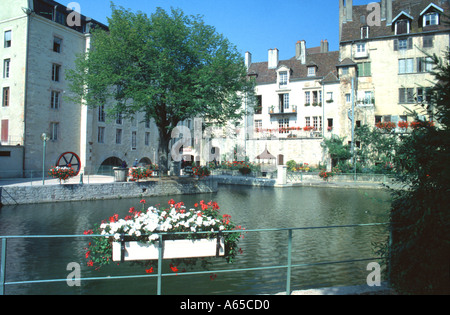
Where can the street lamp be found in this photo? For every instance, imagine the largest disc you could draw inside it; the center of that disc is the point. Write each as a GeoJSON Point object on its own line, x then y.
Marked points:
{"type": "Point", "coordinates": [44, 138]}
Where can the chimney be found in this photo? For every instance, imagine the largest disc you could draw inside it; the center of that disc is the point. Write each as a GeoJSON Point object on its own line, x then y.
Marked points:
{"type": "Point", "coordinates": [273, 58]}
{"type": "Point", "coordinates": [383, 10]}
{"type": "Point", "coordinates": [388, 12]}
{"type": "Point", "coordinates": [248, 60]}
{"type": "Point", "coordinates": [324, 46]}
{"type": "Point", "coordinates": [300, 51]}
{"type": "Point", "coordinates": [349, 7]}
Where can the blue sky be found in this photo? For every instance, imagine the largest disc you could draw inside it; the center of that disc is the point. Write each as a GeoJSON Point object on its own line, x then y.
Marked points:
{"type": "Point", "coordinates": [251, 25]}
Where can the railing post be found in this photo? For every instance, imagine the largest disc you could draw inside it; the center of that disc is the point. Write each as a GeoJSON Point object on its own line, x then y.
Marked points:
{"type": "Point", "coordinates": [3, 267]}
{"type": "Point", "coordinates": [160, 248]}
{"type": "Point", "coordinates": [289, 264]}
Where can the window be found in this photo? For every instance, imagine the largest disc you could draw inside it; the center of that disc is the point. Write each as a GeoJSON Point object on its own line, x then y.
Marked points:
{"type": "Point", "coordinates": [368, 98]}
{"type": "Point", "coordinates": [402, 27]}
{"type": "Point", "coordinates": [311, 71]}
{"type": "Point", "coordinates": [7, 39]}
{"type": "Point", "coordinates": [283, 78]}
{"type": "Point", "coordinates": [403, 44]}
{"type": "Point", "coordinates": [54, 126]}
{"type": "Point", "coordinates": [315, 98]}
{"type": "Point", "coordinates": [364, 32]}
{"type": "Point", "coordinates": [283, 124]}
{"type": "Point", "coordinates": [147, 138]}
{"type": "Point", "coordinates": [147, 123]}
{"type": "Point", "coordinates": [348, 98]}
{"type": "Point", "coordinates": [101, 113]}
{"type": "Point", "coordinates": [57, 44]}
{"type": "Point", "coordinates": [258, 124]}
{"type": "Point", "coordinates": [424, 64]}
{"type": "Point", "coordinates": [431, 19]}
{"type": "Point", "coordinates": [119, 118]}
{"type": "Point", "coordinates": [307, 121]}
{"type": "Point", "coordinates": [5, 97]}
{"type": "Point", "coordinates": [6, 65]}
{"type": "Point", "coordinates": [330, 124]}
{"type": "Point", "coordinates": [364, 69]}
{"type": "Point", "coordinates": [283, 102]}
{"type": "Point", "coordinates": [118, 136]}
{"type": "Point", "coordinates": [428, 41]}
{"type": "Point", "coordinates": [344, 70]}
{"type": "Point", "coordinates": [424, 95]}
{"type": "Point", "coordinates": [406, 65]}
{"type": "Point", "coordinates": [55, 99]}
{"type": "Point", "coordinates": [360, 48]}
{"type": "Point", "coordinates": [315, 123]}
{"type": "Point", "coordinates": [307, 98]}
{"type": "Point", "coordinates": [56, 69]}
{"type": "Point", "coordinates": [101, 135]}
{"type": "Point", "coordinates": [329, 97]}
{"type": "Point", "coordinates": [406, 95]}
{"type": "Point", "coordinates": [258, 105]}
{"type": "Point", "coordinates": [133, 140]}
{"type": "Point", "coordinates": [5, 131]}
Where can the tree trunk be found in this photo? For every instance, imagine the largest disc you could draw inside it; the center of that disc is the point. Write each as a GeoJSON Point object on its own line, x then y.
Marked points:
{"type": "Point", "coordinates": [163, 152]}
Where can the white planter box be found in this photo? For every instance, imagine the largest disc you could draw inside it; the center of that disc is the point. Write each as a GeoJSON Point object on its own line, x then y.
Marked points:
{"type": "Point", "coordinates": [171, 249]}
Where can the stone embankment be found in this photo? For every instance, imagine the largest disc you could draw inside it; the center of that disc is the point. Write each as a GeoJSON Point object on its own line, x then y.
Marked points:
{"type": "Point", "coordinates": [26, 194]}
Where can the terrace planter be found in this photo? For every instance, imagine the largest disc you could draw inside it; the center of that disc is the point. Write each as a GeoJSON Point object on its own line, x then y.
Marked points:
{"type": "Point", "coordinates": [171, 249]}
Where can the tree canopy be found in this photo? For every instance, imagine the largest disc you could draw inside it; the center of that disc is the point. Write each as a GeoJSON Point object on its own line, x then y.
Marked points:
{"type": "Point", "coordinates": [168, 66]}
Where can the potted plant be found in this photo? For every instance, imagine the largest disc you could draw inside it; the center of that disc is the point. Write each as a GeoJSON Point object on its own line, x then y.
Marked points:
{"type": "Point", "coordinates": [201, 171]}
{"type": "Point", "coordinates": [61, 172]}
{"type": "Point", "coordinates": [136, 237]}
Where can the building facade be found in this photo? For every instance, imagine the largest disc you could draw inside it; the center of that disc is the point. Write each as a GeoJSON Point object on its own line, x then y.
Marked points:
{"type": "Point", "coordinates": [41, 40]}
{"type": "Point", "coordinates": [388, 57]}
{"type": "Point", "coordinates": [297, 104]}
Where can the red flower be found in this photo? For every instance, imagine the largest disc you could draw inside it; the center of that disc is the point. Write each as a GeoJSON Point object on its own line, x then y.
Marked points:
{"type": "Point", "coordinates": [88, 253]}
{"type": "Point", "coordinates": [213, 276]}
{"type": "Point", "coordinates": [90, 263]}
{"type": "Point", "coordinates": [142, 201]}
{"type": "Point", "coordinates": [87, 232]}
{"type": "Point", "coordinates": [171, 202]}
{"type": "Point", "coordinates": [149, 270]}
{"type": "Point", "coordinates": [131, 210]}
{"type": "Point", "coordinates": [174, 268]}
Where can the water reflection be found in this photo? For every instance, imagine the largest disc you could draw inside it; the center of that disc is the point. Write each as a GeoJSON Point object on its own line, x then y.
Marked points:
{"type": "Point", "coordinates": [254, 208]}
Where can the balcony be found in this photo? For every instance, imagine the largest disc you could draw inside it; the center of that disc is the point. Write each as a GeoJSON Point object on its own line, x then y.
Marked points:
{"type": "Point", "coordinates": [292, 110]}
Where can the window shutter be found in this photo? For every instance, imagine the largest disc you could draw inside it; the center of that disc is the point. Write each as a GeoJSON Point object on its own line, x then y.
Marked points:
{"type": "Point", "coordinates": [395, 44]}
{"type": "Point", "coordinates": [410, 43]}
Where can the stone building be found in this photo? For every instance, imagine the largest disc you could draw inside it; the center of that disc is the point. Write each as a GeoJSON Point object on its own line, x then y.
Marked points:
{"type": "Point", "coordinates": [40, 41]}
{"type": "Point", "coordinates": [384, 51]}
{"type": "Point", "coordinates": [297, 104]}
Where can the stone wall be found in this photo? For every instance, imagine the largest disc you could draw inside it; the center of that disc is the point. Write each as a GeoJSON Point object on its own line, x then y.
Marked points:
{"type": "Point", "coordinates": [78, 192]}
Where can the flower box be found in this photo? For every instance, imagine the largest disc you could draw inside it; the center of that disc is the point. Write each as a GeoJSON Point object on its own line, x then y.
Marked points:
{"type": "Point", "coordinates": [172, 249]}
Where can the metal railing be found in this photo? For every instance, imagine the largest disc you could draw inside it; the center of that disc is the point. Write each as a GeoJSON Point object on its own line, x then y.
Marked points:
{"type": "Point", "coordinates": [288, 266]}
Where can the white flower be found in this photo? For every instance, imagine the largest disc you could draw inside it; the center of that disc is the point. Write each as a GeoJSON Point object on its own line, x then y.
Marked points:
{"type": "Point", "coordinates": [153, 237]}
{"type": "Point", "coordinates": [117, 236]}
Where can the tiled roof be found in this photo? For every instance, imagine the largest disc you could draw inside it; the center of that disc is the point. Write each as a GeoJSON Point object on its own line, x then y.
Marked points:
{"type": "Point", "coordinates": [352, 30]}
{"type": "Point", "coordinates": [325, 62]}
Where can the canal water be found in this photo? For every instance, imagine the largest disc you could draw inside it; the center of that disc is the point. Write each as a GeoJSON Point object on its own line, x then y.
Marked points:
{"type": "Point", "coordinates": [251, 207]}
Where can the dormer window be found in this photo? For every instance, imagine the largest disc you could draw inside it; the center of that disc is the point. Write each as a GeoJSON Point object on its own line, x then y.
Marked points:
{"type": "Point", "coordinates": [431, 19]}
{"type": "Point", "coordinates": [312, 71]}
{"type": "Point", "coordinates": [283, 78]}
{"type": "Point", "coordinates": [364, 32]}
{"type": "Point", "coordinates": [402, 23]}
{"type": "Point", "coordinates": [430, 15]}
{"type": "Point", "coordinates": [402, 27]}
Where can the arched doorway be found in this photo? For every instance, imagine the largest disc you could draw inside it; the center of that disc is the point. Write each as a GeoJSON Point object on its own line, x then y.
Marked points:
{"type": "Point", "coordinates": [106, 168]}
{"type": "Point", "coordinates": [145, 161]}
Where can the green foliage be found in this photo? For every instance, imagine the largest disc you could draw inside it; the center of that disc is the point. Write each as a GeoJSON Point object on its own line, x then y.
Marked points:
{"type": "Point", "coordinates": [337, 149]}
{"type": "Point", "coordinates": [420, 215]}
{"type": "Point", "coordinates": [168, 66]}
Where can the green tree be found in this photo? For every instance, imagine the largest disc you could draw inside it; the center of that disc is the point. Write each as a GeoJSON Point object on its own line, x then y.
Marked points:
{"type": "Point", "coordinates": [339, 152]}
{"type": "Point", "coordinates": [420, 213]}
{"type": "Point", "coordinates": [169, 66]}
